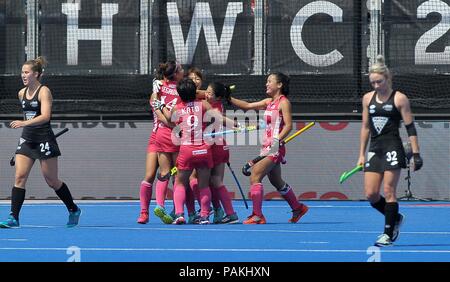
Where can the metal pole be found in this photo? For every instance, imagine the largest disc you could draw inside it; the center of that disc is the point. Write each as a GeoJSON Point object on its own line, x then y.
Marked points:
{"type": "Point", "coordinates": [31, 48]}
{"type": "Point", "coordinates": [375, 40]}
{"type": "Point", "coordinates": [259, 38]}
{"type": "Point", "coordinates": [144, 38]}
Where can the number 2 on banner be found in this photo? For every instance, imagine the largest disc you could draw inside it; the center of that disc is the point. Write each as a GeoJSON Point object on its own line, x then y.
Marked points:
{"type": "Point", "coordinates": [422, 57]}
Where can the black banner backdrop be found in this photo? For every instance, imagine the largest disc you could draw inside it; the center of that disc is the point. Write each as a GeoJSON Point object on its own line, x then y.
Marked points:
{"type": "Point", "coordinates": [12, 36]}
{"type": "Point", "coordinates": [312, 36]}
{"type": "Point", "coordinates": [90, 36]}
{"type": "Point", "coordinates": [417, 49]}
{"type": "Point", "coordinates": [321, 44]}
{"type": "Point", "coordinates": [417, 34]}
{"type": "Point", "coordinates": [215, 36]}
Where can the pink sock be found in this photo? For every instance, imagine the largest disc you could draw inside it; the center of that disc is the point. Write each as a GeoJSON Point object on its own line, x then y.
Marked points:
{"type": "Point", "coordinates": [205, 201]}
{"type": "Point", "coordinates": [225, 199]}
{"type": "Point", "coordinates": [190, 201]}
{"type": "Point", "coordinates": [161, 191]}
{"type": "Point", "coordinates": [194, 186]}
{"type": "Point", "coordinates": [173, 190]}
{"type": "Point", "coordinates": [257, 194]}
{"type": "Point", "coordinates": [179, 198]}
{"type": "Point", "coordinates": [215, 198]}
{"type": "Point", "coordinates": [145, 195]}
{"type": "Point", "coordinates": [289, 196]}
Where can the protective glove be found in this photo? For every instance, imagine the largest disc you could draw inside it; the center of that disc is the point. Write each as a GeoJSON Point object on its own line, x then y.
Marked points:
{"type": "Point", "coordinates": [156, 85]}
{"type": "Point", "coordinates": [418, 161]}
{"type": "Point", "coordinates": [158, 105]}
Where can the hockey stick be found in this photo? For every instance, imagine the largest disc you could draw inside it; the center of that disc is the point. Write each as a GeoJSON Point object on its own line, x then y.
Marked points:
{"type": "Point", "coordinates": [239, 185]}
{"type": "Point", "coordinates": [346, 174]}
{"type": "Point", "coordinates": [239, 130]}
{"type": "Point", "coordinates": [174, 170]}
{"type": "Point", "coordinates": [247, 166]}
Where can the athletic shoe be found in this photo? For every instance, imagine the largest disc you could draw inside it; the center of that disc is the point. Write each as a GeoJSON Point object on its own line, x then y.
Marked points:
{"type": "Point", "coordinates": [162, 214]}
{"type": "Point", "coordinates": [398, 224]}
{"type": "Point", "coordinates": [204, 220]}
{"type": "Point", "coordinates": [11, 222]}
{"type": "Point", "coordinates": [172, 213]}
{"type": "Point", "coordinates": [230, 219]}
{"type": "Point", "coordinates": [218, 215]}
{"type": "Point", "coordinates": [255, 219]}
{"type": "Point", "coordinates": [211, 210]}
{"type": "Point", "coordinates": [298, 213]}
{"type": "Point", "coordinates": [74, 217]}
{"type": "Point", "coordinates": [194, 218]}
{"type": "Point", "coordinates": [383, 241]}
{"type": "Point", "coordinates": [143, 217]}
{"type": "Point", "coordinates": [179, 219]}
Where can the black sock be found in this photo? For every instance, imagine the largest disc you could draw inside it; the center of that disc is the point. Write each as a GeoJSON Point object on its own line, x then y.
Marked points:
{"type": "Point", "coordinates": [65, 196]}
{"type": "Point", "coordinates": [391, 215]}
{"type": "Point", "coordinates": [17, 199]}
{"type": "Point", "coordinates": [380, 205]}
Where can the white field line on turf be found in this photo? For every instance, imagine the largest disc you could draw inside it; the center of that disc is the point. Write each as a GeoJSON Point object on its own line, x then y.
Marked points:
{"type": "Point", "coordinates": [236, 230]}
{"type": "Point", "coordinates": [224, 250]}
{"type": "Point", "coordinates": [235, 206]}
{"type": "Point", "coordinates": [128, 203]}
{"type": "Point", "coordinates": [78, 201]}
{"type": "Point", "coordinates": [167, 206]}
{"type": "Point", "coordinates": [133, 203]}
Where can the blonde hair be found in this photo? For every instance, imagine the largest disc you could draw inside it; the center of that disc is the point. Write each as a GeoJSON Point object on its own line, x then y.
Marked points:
{"type": "Point", "coordinates": [37, 65]}
{"type": "Point", "coordinates": [380, 68]}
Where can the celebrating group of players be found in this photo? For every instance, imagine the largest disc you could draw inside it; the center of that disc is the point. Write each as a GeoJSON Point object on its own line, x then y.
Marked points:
{"type": "Point", "coordinates": [182, 111]}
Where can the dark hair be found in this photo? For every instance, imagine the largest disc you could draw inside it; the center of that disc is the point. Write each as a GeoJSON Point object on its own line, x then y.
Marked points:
{"type": "Point", "coordinates": [284, 79]}
{"type": "Point", "coordinates": [186, 89]}
{"type": "Point", "coordinates": [195, 71]}
{"type": "Point", "coordinates": [167, 70]}
{"type": "Point", "coordinates": [220, 90]}
{"type": "Point", "coordinates": [37, 65]}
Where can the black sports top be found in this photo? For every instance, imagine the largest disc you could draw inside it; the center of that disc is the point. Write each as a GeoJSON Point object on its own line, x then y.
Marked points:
{"type": "Point", "coordinates": [32, 109]}
{"type": "Point", "coordinates": [384, 119]}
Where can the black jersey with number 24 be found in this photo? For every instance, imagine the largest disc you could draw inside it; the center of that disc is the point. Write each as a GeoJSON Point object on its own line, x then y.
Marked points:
{"type": "Point", "coordinates": [37, 141]}
{"type": "Point", "coordinates": [32, 109]}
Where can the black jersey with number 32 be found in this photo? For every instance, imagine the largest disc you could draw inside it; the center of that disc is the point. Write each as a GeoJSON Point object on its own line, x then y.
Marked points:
{"type": "Point", "coordinates": [384, 120]}
{"type": "Point", "coordinates": [32, 109]}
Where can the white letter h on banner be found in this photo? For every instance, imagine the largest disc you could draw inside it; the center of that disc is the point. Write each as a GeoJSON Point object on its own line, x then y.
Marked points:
{"type": "Point", "coordinates": [104, 34]}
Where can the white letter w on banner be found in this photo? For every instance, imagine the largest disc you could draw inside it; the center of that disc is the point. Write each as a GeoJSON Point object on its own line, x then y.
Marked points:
{"type": "Point", "coordinates": [202, 18]}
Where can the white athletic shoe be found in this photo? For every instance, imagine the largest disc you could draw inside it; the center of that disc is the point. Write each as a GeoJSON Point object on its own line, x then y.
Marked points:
{"type": "Point", "coordinates": [383, 241]}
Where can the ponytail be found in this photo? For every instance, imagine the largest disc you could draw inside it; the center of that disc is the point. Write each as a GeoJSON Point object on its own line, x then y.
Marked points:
{"type": "Point", "coordinates": [37, 65]}
{"type": "Point", "coordinates": [284, 80]}
{"type": "Point", "coordinates": [167, 70]}
{"type": "Point", "coordinates": [221, 91]}
{"type": "Point", "coordinates": [380, 68]}
{"type": "Point", "coordinates": [229, 89]}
